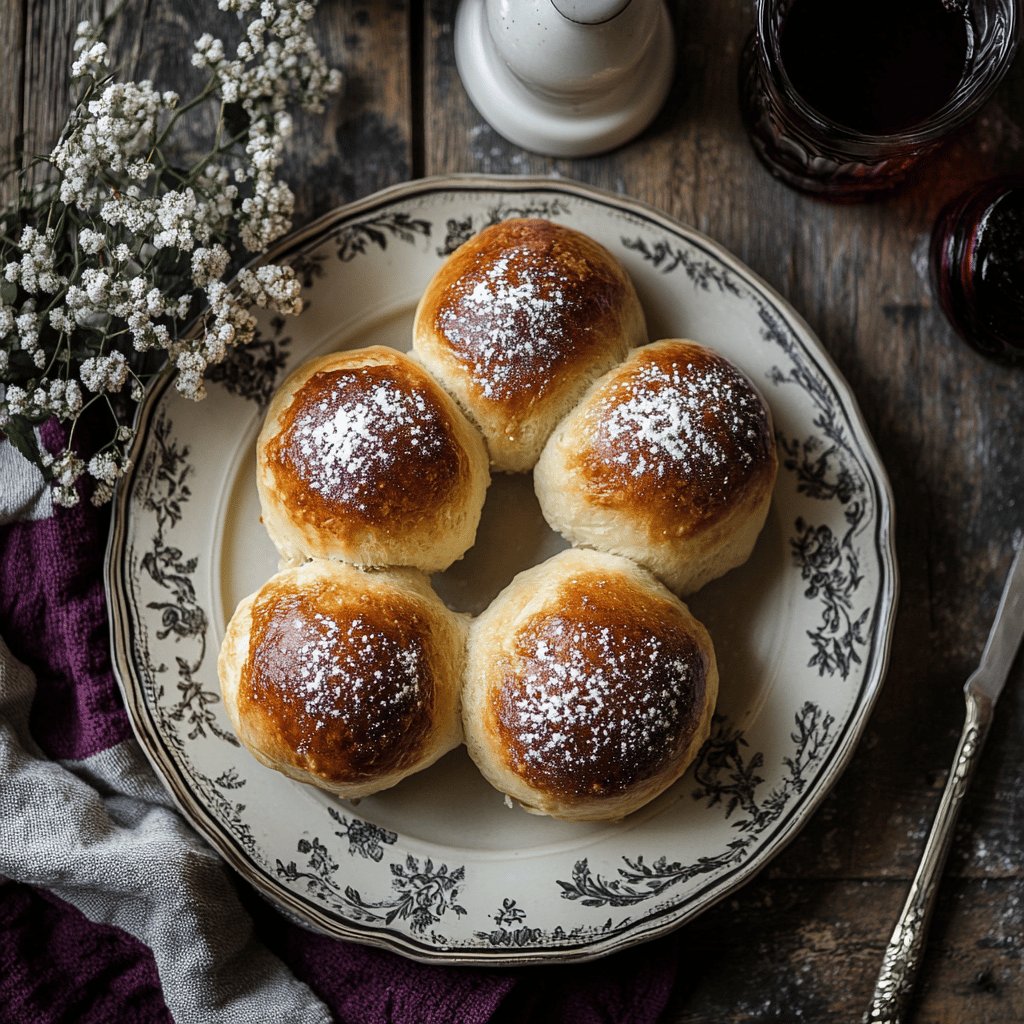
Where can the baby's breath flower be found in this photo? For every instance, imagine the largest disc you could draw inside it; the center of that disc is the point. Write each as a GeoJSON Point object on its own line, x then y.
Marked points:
{"type": "Point", "coordinates": [209, 52]}
{"type": "Point", "coordinates": [209, 264]}
{"type": "Point", "coordinates": [139, 170]}
{"type": "Point", "coordinates": [189, 382]}
{"type": "Point", "coordinates": [28, 330]}
{"type": "Point", "coordinates": [65, 496]}
{"type": "Point", "coordinates": [104, 467]}
{"type": "Point", "coordinates": [73, 396]}
{"type": "Point", "coordinates": [60, 321]}
{"type": "Point", "coordinates": [35, 271]}
{"type": "Point", "coordinates": [101, 494]}
{"type": "Point", "coordinates": [92, 61]}
{"type": "Point", "coordinates": [96, 303]}
{"type": "Point", "coordinates": [91, 241]}
{"type": "Point", "coordinates": [176, 216]}
{"type": "Point", "coordinates": [96, 283]}
{"type": "Point", "coordinates": [17, 400]}
{"type": "Point", "coordinates": [104, 373]}
{"type": "Point", "coordinates": [272, 286]}
{"type": "Point", "coordinates": [67, 468]}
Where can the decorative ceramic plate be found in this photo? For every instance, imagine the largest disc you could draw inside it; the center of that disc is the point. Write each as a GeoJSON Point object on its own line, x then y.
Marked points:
{"type": "Point", "coordinates": [439, 867]}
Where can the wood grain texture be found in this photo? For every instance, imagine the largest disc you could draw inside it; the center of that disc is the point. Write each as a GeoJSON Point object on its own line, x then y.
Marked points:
{"type": "Point", "coordinates": [362, 143]}
{"type": "Point", "coordinates": [12, 63]}
{"type": "Point", "coordinates": [787, 951]}
{"type": "Point", "coordinates": [365, 143]}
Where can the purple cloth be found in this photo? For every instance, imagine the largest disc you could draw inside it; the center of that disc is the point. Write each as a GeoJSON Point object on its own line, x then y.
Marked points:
{"type": "Point", "coordinates": [53, 617]}
{"type": "Point", "coordinates": [57, 966]}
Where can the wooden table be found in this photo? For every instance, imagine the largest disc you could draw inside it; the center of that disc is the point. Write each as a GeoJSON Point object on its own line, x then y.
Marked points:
{"type": "Point", "coordinates": [804, 940]}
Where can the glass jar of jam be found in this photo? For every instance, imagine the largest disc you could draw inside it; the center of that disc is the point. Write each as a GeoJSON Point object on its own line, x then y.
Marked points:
{"type": "Point", "coordinates": [843, 100]}
{"type": "Point", "coordinates": [977, 266]}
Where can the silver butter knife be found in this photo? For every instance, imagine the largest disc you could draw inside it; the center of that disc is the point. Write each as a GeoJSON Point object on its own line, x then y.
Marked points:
{"type": "Point", "coordinates": [903, 956]}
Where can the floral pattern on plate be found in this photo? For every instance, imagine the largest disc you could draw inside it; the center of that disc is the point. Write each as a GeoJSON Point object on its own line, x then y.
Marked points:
{"type": "Point", "coordinates": [439, 867]}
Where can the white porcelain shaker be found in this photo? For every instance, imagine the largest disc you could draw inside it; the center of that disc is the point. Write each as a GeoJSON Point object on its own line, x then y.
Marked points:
{"type": "Point", "coordinates": [565, 77]}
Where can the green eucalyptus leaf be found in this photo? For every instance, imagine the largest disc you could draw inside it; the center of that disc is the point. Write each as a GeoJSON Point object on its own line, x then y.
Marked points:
{"type": "Point", "coordinates": [23, 437]}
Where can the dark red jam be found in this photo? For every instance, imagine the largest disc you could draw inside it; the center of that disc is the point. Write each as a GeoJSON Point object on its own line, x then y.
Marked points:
{"type": "Point", "coordinates": [977, 262]}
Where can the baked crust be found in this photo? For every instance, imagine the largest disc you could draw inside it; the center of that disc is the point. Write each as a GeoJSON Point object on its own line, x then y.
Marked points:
{"type": "Point", "coordinates": [363, 457]}
{"type": "Point", "coordinates": [669, 459]}
{"type": "Point", "coordinates": [516, 325]}
{"type": "Point", "coordinates": [345, 679]}
{"type": "Point", "coordinates": [589, 688]}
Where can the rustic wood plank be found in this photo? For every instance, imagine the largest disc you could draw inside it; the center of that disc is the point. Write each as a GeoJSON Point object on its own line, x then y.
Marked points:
{"type": "Point", "coordinates": [361, 143]}
{"type": "Point", "coordinates": [790, 951]}
{"type": "Point", "coordinates": [364, 143]}
{"type": "Point", "coordinates": [48, 38]}
{"type": "Point", "coordinates": [12, 63]}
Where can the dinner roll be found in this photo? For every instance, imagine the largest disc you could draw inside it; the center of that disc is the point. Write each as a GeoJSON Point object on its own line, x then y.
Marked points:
{"type": "Point", "coordinates": [345, 679]}
{"type": "Point", "coordinates": [363, 457]}
{"type": "Point", "coordinates": [589, 687]}
{"type": "Point", "coordinates": [518, 322]}
{"type": "Point", "coordinates": [669, 459]}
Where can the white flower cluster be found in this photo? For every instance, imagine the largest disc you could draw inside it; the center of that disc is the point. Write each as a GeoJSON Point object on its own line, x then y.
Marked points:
{"type": "Point", "coordinates": [272, 287]}
{"type": "Point", "coordinates": [58, 397]}
{"type": "Point", "coordinates": [110, 136]}
{"type": "Point", "coordinates": [136, 251]}
{"type": "Point", "coordinates": [32, 269]}
{"type": "Point", "coordinates": [92, 60]}
{"type": "Point", "coordinates": [64, 469]}
{"type": "Point", "coordinates": [35, 271]}
{"type": "Point", "coordinates": [104, 373]}
{"type": "Point", "coordinates": [275, 62]}
{"type": "Point", "coordinates": [267, 213]}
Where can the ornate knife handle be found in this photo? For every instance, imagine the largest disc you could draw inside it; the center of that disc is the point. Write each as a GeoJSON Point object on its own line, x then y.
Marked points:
{"type": "Point", "coordinates": [903, 956]}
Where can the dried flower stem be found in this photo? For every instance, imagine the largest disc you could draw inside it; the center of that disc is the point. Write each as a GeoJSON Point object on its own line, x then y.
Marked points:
{"type": "Point", "coordinates": [107, 261]}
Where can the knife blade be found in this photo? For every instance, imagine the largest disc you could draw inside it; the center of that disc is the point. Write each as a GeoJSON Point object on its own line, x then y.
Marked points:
{"type": "Point", "coordinates": [905, 951]}
{"type": "Point", "coordinates": [989, 678]}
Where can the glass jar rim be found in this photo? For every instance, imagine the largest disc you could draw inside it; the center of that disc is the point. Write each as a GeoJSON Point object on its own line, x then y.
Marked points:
{"type": "Point", "coordinates": [956, 111]}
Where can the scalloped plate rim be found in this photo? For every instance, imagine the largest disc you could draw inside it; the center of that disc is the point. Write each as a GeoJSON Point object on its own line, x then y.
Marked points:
{"type": "Point", "coordinates": [669, 917]}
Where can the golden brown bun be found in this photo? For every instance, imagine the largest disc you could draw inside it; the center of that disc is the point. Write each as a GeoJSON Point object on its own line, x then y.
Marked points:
{"type": "Point", "coordinates": [589, 688]}
{"type": "Point", "coordinates": [345, 679]}
{"type": "Point", "coordinates": [363, 457]}
{"type": "Point", "coordinates": [669, 459]}
{"type": "Point", "coordinates": [518, 322]}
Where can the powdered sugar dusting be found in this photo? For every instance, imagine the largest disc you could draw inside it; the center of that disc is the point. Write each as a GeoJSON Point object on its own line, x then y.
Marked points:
{"type": "Point", "coordinates": [595, 706]}
{"type": "Point", "coordinates": [682, 418]}
{"type": "Point", "coordinates": [358, 428]}
{"type": "Point", "coordinates": [337, 674]}
{"type": "Point", "coordinates": [509, 323]}
{"type": "Point", "coordinates": [334, 658]}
